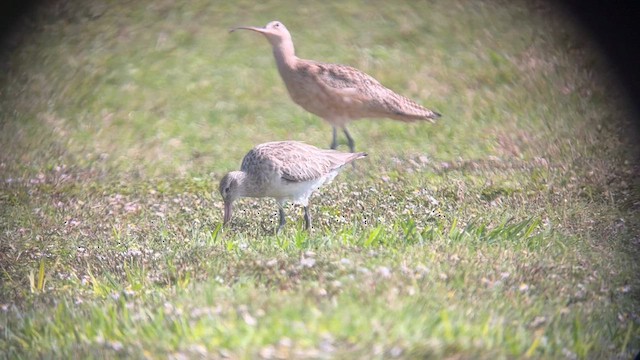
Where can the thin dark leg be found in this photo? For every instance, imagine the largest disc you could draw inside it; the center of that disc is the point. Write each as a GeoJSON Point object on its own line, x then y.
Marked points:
{"type": "Point", "coordinates": [334, 142]}
{"type": "Point", "coordinates": [307, 218]}
{"type": "Point", "coordinates": [352, 144]}
{"type": "Point", "coordinates": [282, 219]}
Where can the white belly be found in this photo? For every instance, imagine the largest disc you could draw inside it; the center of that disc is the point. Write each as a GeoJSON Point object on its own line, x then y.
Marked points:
{"type": "Point", "coordinates": [298, 192]}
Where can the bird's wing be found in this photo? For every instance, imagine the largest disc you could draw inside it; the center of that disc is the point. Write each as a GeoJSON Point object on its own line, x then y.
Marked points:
{"type": "Point", "coordinates": [343, 79]}
{"type": "Point", "coordinates": [315, 163]}
{"type": "Point", "coordinates": [303, 162]}
{"type": "Point", "coordinates": [353, 85]}
{"type": "Point", "coordinates": [296, 161]}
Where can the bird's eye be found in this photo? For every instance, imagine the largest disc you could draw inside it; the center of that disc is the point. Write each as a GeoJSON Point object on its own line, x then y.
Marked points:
{"type": "Point", "coordinates": [276, 25]}
{"type": "Point", "coordinates": [226, 189]}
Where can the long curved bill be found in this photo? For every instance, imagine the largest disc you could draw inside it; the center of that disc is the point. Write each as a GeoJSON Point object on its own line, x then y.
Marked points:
{"type": "Point", "coordinates": [252, 28]}
{"type": "Point", "coordinates": [227, 212]}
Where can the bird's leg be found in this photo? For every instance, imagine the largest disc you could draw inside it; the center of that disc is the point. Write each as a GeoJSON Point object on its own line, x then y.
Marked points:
{"type": "Point", "coordinates": [334, 142]}
{"type": "Point", "coordinates": [307, 218]}
{"type": "Point", "coordinates": [282, 219]}
{"type": "Point", "coordinates": [352, 144]}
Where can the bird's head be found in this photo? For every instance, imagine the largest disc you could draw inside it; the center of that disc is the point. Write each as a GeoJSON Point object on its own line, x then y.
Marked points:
{"type": "Point", "coordinates": [274, 31]}
{"type": "Point", "coordinates": [230, 189]}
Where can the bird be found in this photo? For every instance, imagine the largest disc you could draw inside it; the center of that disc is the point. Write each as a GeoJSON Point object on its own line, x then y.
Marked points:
{"type": "Point", "coordinates": [336, 93]}
{"type": "Point", "coordinates": [286, 171]}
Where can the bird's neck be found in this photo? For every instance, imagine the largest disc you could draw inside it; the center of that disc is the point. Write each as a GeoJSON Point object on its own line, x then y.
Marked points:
{"type": "Point", "coordinates": [247, 185]}
{"type": "Point", "coordinates": [285, 55]}
{"type": "Point", "coordinates": [242, 180]}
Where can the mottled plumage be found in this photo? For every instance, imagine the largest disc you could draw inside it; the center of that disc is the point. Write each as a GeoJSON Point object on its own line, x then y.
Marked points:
{"type": "Point", "coordinates": [336, 93]}
{"type": "Point", "coordinates": [284, 170]}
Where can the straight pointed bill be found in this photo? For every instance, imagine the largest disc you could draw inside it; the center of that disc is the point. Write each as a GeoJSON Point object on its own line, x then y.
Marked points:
{"type": "Point", "coordinates": [228, 209]}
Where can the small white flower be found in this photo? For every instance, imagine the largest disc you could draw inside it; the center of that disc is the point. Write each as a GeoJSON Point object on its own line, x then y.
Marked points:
{"type": "Point", "coordinates": [272, 263]}
{"type": "Point", "coordinates": [307, 262]}
{"type": "Point", "coordinates": [250, 320]}
{"type": "Point", "coordinates": [384, 272]}
{"type": "Point", "coordinates": [116, 345]}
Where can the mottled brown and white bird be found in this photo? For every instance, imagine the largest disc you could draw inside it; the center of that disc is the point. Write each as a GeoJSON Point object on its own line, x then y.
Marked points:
{"type": "Point", "coordinates": [336, 93]}
{"type": "Point", "coordinates": [284, 170]}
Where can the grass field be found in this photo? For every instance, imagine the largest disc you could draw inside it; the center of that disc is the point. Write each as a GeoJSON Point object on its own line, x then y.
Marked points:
{"type": "Point", "coordinates": [509, 229]}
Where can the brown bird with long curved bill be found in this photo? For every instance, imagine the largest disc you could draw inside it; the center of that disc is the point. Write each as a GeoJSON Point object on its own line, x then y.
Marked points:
{"type": "Point", "coordinates": [336, 93]}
